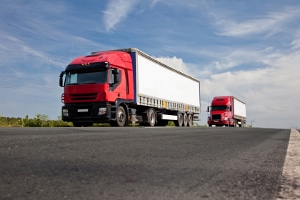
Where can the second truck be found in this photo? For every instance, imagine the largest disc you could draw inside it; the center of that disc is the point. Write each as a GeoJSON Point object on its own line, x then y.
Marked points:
{"type": "Point", "coordinates": [127, 86]}
{"type": "Point", "coordinates": [227, 111]}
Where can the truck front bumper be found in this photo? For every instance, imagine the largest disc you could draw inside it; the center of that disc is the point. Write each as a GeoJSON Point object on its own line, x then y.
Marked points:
{"type": "Point", "coordinates": [217, 122]}
{"type": "Point", "coordinates": [87, 112]}
{"type": "Point", "coordinates": [220, 122]}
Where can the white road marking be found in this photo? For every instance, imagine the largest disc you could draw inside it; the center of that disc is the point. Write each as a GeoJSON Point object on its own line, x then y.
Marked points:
{"type": "Point", "coordinates": [290, 183]}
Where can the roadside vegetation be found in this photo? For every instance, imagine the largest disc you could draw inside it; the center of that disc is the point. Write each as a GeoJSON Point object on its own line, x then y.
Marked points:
{"type": "Point", "coordinates": [41, 120]}
{"type": "Point", "coordinates": [38, 121]}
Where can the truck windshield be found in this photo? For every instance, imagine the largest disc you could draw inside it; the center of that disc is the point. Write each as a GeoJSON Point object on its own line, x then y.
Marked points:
{"type": "Point", "coordinates": [219, 108]}
{"type": "Point", "coordinates": [86, 77]}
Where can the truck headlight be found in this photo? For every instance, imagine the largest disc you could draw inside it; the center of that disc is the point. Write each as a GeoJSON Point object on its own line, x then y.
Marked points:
{"type": "Point", "coordinates": [225, 118]}
{"type": "Point", "coordinates": [65, 112]}
{"type": "Point", "coordinates": [102, 111]}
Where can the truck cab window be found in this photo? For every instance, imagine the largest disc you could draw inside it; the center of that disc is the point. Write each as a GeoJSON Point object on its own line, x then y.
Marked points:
{"type": "Point", "coordinates": [71, 78]}
{"type": "Point", "coordinates": [86, 77]}
{"type": "Point", "coordinates": [219, 108]}
{"type": "Point", "coordinates": [111, 77]}
{"type": "Point", "coordinates": [114, 78]}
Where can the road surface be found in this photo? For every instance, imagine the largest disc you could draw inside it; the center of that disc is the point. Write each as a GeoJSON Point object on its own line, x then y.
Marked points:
{"type": "Point", "coordinates": [141, 163]}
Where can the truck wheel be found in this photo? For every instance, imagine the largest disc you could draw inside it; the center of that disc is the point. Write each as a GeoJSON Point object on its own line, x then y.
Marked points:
{"type": "Point", "coordinates": [151, 117]}
{"type": "Point", "coordinates": [121, 116]}
{"type": "Point", "coordinates": [185, 120]}
{"type": "Point", "coordinates": [190, 120]}
{"type": "Point", "coordinates": [179, 121]}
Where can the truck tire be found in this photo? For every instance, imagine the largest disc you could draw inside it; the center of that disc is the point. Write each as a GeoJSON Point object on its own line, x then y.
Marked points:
{"type": "Point", "coordinates": [121, 117]}
{"type": "Point", "coordinates": [185, 120]}
{"type": "Point", "coordinates": [179, 120]}
{"type": "Point", "coordinates": [151, 115]}
{"type": "Point", "coordinates": [190, 120]}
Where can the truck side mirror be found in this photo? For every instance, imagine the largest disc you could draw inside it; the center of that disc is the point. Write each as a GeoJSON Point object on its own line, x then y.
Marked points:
{"type": "Point", "coordinates": [61, 83]}
{"type": "Point", "coordinates": [207, 110]}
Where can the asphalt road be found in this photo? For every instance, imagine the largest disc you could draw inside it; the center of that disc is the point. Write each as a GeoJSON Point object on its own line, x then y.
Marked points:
{"type": "Point", "coordinates": [141, 163]}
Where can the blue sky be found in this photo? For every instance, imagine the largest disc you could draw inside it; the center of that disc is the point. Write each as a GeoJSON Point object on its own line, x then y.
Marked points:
{"type": "Point", "coordinates": [248, 49]}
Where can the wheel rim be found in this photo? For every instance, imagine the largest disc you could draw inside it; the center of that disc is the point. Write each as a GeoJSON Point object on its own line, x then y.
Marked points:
{"type": "Point", "coordinates": [151, 117]}
{"type": "Point", "coordinates": [180, 119]}
{"type": "Point", "coordinates": [121, 116]}
{"type": "Point", "coordinates": [185, 119]}
{"type": "Point", "coordinates": [190, 120]}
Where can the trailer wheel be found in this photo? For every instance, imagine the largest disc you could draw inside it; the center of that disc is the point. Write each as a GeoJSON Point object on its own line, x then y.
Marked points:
{"type": "Point", "coordinates": [179, 121]}
{"type": "Point", "coordinates": [151, 117]}
{"type": "Point", "coordinates": [121, 116]}
{"type": "Point", "coordinates": [185, 120]}
{"type": "Point", "coordinates": [190, 120]}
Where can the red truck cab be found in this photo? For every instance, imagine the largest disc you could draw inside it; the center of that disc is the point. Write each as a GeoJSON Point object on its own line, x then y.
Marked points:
{"type": "Point", "coordinates": [221, 111]}
{"type": "Point", "coordinates": [94, 84]}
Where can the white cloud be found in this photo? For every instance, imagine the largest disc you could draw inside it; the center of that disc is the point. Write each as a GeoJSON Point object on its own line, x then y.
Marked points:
{"type": "Point", "coordinates": [176, 63]}
{"type": "Point", "coordinates": [117, 10]}
{"type": "Point", "coordinates": [269, 23]}
{"type": "Point", "coordinates": [154, 2]}
{"type": "Point", "coordinates": [14, 48]}
{"type": "Point", "coordinates": [295, 44]}
{"type": "Point", "coordinates": [235, 59]}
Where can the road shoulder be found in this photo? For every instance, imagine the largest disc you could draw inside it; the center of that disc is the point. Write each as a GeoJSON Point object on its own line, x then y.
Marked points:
{"type": "Point", "coordinates": [290, 183]}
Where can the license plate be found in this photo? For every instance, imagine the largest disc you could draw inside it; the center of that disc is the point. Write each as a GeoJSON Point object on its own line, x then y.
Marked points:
{"type": "Point", "coordinates": [83, 110]}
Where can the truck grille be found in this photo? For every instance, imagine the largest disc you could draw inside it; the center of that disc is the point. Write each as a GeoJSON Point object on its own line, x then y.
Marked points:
{"type": "Point", "coordinates": [81, 97]}
{"type": "Point", "coordinates": [216, 117]}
